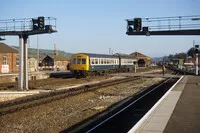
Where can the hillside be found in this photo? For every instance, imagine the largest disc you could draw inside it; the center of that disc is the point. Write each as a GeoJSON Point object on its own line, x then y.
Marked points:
{"type": "Point", "coordinates": [32, 52]}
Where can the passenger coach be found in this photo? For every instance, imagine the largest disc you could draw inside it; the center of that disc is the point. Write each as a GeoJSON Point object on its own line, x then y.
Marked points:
{"type": "Point", "coordinates": [83, 64]}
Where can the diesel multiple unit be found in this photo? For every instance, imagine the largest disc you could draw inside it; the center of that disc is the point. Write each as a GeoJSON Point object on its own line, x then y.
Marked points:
{"type": "Point", "coordinates": [83, 64]}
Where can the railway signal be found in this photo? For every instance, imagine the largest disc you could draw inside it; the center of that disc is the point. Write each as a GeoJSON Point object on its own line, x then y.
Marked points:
{"type": "Point", "coordinates": [137, 24]}
{"type": "Point", "coordinates": [35, 24]}
{"type": "Point", "coordinates": [40, 23]}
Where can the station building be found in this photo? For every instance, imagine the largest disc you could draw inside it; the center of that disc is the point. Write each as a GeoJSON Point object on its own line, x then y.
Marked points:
{"type": "Point", "coordinates": [58, 63]}
{"type": "Point", "coordinates": [142, 60]}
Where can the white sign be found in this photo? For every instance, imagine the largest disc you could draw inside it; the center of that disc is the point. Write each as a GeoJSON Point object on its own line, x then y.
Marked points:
{"type": "Point", "coordinates": [5, 69]}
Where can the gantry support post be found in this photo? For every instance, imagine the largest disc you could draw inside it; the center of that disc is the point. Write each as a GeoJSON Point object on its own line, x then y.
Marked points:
{"type": "Point", "coordinates": [25, 37]}
{"type": "Point", "coordinates": [23, 66]}
{"type": "Point", "coordinates": [21, 62]}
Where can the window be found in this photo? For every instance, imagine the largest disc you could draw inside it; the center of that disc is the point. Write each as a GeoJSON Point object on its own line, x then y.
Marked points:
{"type": "Point", "coordinates": [17, 60]}
{"type": "Point", "coordinates": [83, 61]}
{"type": "Point", "coordinates": [74, 61]}
{"type": "Point", "coordinates": [104, 61]}
{"type": "Point", "coordinates": [96, 61]}
{"type": "Point", "coordinates": [101, 61]}
{"type": "Point", "coordinates": [5, 60]}
{"type": "Point", "coordinates": [79, 61]}
{"type": "Point", "coordinates": [92, 61]}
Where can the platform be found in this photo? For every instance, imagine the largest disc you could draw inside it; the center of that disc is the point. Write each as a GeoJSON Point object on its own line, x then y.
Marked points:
{"type": "Point", "coordinates": [178, 111]}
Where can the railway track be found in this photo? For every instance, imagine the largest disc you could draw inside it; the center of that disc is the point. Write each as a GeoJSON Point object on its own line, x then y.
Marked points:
{"type": "Point", "coordinates": [127, 113]}
{"type": "Point", "coordinates": [43, 98]}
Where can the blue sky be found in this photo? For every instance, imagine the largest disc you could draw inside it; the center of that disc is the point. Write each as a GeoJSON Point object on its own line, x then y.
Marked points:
{"type": "Point", "coordinates": [96, 25]}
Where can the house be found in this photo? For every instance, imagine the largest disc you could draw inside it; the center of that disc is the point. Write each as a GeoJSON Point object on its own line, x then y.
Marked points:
{"type": "Point", "coordinates": [54, 63]}
{"type": "Point", "coordinates": [9, 59]}
{"type": "Point", "coordinates": [143, 60]}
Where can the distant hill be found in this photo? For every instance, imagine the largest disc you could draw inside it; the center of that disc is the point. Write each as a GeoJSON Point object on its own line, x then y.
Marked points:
{"type": "Point", "coordinates": [32, 52]}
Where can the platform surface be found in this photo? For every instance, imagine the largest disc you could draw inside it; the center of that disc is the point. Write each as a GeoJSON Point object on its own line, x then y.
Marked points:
{"type": "Point", "coordinates": [177, 112]}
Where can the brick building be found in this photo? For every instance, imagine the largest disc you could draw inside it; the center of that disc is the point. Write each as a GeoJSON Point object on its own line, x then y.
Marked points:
{"type": "Point", "coordinates": [143, 60]}
{"type": "Point", "coordinates": [9, 59]}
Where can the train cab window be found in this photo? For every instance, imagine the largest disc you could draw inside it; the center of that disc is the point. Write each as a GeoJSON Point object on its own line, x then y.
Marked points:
{"type": "Point", "coordinates": [83, 61]}
{"type": "Point", "coordinates": [74, 61]}
{"type": "Point", "coordinates": [78, 61]}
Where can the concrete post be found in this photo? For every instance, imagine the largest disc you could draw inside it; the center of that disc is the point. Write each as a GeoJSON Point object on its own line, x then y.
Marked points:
{"type": "Point", "coordinates": [21, 62]}
{"type": "Point", "coordinates": [25, 62]}
{"type": "Point", "coordinates": [197, 67]}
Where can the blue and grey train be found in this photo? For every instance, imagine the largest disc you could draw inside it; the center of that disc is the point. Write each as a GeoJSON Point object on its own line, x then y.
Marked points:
{"type": "Point", "coordinates": [83, 64]}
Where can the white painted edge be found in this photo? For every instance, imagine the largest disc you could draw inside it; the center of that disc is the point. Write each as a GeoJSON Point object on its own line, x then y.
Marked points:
{"type": "Point", "coordinates": [144, 118]}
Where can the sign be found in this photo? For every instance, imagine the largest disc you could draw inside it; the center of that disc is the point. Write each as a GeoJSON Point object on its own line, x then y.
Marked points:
{"type": "Point", "coordinates": [5, 69]}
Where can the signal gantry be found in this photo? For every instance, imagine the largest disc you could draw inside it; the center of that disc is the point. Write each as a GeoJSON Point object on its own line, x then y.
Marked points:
{"type": "Point", "coordinates": [24, 28]}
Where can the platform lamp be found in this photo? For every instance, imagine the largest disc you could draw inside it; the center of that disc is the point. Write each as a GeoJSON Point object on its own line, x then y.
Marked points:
{"type": "Point", "coordinates": [196, 51]}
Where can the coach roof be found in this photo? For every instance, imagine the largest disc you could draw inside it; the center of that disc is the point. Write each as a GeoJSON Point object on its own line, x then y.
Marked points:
{"type": "Point", "coordinates": [99, 55]}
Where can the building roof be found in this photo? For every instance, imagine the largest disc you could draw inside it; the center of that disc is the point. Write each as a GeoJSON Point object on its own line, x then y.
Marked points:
{"type": "Point", "coordinates": [4, 48]}
{"type": "Point", "coordinates": [99, 55]}
{"type": "Point", "coordinates": [137, 54]}
{"type": "Point", "coordinates": [57, 58]}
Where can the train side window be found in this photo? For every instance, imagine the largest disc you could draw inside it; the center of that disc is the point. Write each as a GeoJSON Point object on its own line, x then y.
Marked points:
{"type": "Point", "coordinates": [112, 61]}
{"type": "Point", "coordinates": [107, 61]}
{"type": "Point", "coordinates": [83, 61]}
{"type": "Point", "coordinates": [74, 61]}
{"type": "Point", "coordinates": [104, 61]}
{"type": "Point", "coordinates": [101, 61]}
{"type": "Point", "coordinates": [78, 61]}
{"type": "Point", "coordinates": [92, 61]}
{"type": "Point", "coordinates": [96, 61]}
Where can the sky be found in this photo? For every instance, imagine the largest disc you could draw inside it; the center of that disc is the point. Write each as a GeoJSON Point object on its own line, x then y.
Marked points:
{"type": "Point", "coordinates": [95, 26]}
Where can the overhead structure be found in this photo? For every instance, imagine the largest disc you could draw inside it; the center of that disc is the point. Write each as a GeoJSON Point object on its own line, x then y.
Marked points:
{"type": "Point", "coordinates": [23, 28]}
{"type": "Point", "coordinates": [179, 25]}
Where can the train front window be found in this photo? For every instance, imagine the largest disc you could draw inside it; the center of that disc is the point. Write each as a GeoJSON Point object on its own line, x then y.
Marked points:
{"type": "Point", "coordinates": [83, 61]}
{"type": "Point", "coordinates": [78, 61]}
{"type": "Point", "coordinates": [74, 61]}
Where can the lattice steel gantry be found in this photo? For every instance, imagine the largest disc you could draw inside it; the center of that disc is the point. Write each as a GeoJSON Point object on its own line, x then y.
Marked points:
{"type": "Point", "coordinates": [23, 28]}
{"type": "Point", "coordinates": [179, 25]}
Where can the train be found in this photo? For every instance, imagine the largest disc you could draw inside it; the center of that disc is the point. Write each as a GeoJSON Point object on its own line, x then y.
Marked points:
{"type": "Point", "coordinates": [84, 64]}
